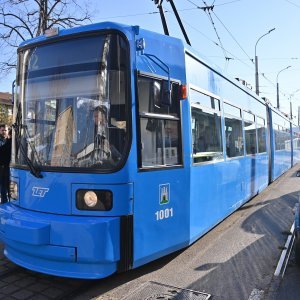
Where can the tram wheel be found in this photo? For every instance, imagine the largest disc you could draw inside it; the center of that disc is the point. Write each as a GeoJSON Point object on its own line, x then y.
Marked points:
{"type": "Point", "coordinates": [297, 252]}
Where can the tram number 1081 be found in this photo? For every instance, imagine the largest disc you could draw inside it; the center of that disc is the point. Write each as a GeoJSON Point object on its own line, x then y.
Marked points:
{"type": "Point", "coordinates": [164, 214]}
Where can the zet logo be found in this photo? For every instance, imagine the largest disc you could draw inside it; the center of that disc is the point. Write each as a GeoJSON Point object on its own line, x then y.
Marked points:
{"type": "Point", "coordinates": [164, 193]}
{"type": "Point", "coordinates": [39, 191]}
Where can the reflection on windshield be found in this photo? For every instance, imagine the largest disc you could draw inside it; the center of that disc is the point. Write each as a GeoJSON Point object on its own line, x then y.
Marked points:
{"type": "Point", "coordinates": [75, 133]}
{"type": "Point", "coordinates": [75, 109]}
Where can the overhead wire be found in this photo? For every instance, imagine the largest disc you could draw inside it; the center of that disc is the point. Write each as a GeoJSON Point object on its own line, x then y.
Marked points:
{"type": "Point", "coordinates": [232, 37]}
{"type": "Point", "coordinates": [207, 10]}
{"type": "Point", "coordinates": [197, 7]}
{"type": "Point", "coordinates": [227, 2]}
{"type": "Point", "coordinates": [145, 14]}
{"type": "Point", "coordinates": [225, 51]}
{"type": "Point", "coordinates": [185, 9]}
{"type": "Point", "coordinates": [292, 3]}
{"type": "Point", "coordinates": [166, 11]}
{"type": "Point", "coordinates": [215, 43]}
{"type": "Point", "coordinates": [262, 74]}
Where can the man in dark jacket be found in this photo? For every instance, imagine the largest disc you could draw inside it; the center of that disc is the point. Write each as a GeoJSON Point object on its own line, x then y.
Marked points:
{"type": "Point", "coordinates": [5, 154]}
{"type": "Point", "coordinates": [2, 134]}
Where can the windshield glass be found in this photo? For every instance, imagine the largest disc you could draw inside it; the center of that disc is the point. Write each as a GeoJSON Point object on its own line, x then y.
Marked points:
{"type": "Point", "coordinates": [72, 103]}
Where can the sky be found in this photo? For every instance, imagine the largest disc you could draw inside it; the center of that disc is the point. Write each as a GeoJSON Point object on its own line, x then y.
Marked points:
{"type": "Point", "coordinates": [226, 37]}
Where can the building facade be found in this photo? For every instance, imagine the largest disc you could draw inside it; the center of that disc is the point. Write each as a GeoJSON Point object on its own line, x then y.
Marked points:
{"type": "Point", "coordinates": [6, 108]}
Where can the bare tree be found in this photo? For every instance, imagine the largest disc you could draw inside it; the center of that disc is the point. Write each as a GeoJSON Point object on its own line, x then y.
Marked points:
{"type": "Point", "coordinates": [24, 19]}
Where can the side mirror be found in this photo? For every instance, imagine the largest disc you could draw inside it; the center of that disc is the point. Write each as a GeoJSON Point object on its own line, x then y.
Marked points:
{"type": "Point", "coordinates": [162, 93]}
{"type": "Point", "coordinates": [166, 97]}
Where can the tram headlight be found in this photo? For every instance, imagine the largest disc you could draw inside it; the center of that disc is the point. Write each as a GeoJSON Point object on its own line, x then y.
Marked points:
{"type": "Point", "coordinates": [98, 200]}
{"type": "Point", "coordinates": [90, 199]}
{"type": "Point", "coordinates": [13, 190]}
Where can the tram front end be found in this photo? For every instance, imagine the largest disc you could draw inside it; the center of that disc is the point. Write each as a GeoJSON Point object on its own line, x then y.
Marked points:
{"type": "Point", "coordinates": [71, 207]}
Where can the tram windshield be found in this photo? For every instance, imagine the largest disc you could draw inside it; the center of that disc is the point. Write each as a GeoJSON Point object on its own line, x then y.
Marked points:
{"type": "Point", "coordinates": [71, 108]}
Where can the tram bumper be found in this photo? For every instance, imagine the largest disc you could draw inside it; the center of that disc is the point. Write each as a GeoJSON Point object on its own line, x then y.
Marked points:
{"type": "Point", "coordinates": [69, 246]}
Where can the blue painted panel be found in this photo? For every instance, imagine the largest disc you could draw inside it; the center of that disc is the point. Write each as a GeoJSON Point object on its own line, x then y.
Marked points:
{"type": "Point", "coordinates": [57, 193]}
{"type": "Point", "coordinates": [255, 174]}
{"type": "Point", "coordinates": [59, 197]}
{"type": "Point", "coordinates": [27, 232]}
{"type": "Point", "coordinates": [160, 226]}
{"type": "Point", "coordinates": [215, 191]}
{"type": "Point", "coordinates": [60, 268]}
{"type": "Point", "coordinates": [96, 240]}
{"type": "Point", "coordinates": [282, 162]}
{"type": "Point", "coordinates": [219, 189]}
{"type": "Point", "coordinates": [45, 252]}
{"type": "Point", "coordinates": [168, 50]}
{"type": "Point", "coordinates": [262, 166]}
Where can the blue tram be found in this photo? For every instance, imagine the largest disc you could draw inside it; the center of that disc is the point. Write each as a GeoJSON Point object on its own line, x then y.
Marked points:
{"type": "Point", "coordinates": [128, 146]}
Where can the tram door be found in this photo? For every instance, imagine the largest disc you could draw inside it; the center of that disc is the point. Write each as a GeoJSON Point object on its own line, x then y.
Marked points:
{"type": "Point", "coordinates": [161, 203]}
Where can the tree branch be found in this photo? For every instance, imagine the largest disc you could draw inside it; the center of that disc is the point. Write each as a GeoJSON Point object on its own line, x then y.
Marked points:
{"type": "Point", "coordinates": [18, 18]}
{"type": "Point", "coordinates": [23, 19]}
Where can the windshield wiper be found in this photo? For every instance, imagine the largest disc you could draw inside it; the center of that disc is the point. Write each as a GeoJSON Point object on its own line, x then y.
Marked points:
{"type": "Point", "coordinates": [34, 170]}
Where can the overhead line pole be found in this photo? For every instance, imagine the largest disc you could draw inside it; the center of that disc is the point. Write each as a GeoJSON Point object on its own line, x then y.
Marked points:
{"type": "Point", "coordinates": [163, 19]}
{"type": "Point", "coordinates": [162, 16]}
{"type": "Point", "coordinates": [179, 22]}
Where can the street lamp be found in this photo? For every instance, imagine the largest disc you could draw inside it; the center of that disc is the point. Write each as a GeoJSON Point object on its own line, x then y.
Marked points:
{"type": "Point", "coordinates": [277, 84]}
{"type": "Point", "coordinates": [291, 107]}
{"type": "Point", "coordinates": [256, 62]}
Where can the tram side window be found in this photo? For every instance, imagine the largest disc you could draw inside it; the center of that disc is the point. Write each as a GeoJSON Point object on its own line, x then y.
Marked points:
{"type": "Point", "coordinates": [282, 137]}
{"type": "Point", "coordinates": [206, 128]}
{"type": "Point", "coordinates": [261, 134]}
{"type": "Point", "coordinates": [296, 141]}
{"type": "Point", "coordinates": [233, 131]}
{"type": "Point", "coordinates": [160, 142]}
{"type": "Point", "coordinates": [250, 133]}
{"type": "Point", "coordinates": [287, 139]}
{"type": "Point", "coordinates": [277, 137]}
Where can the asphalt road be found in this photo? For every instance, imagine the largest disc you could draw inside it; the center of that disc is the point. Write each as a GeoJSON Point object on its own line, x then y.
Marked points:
{"type": "Point", "coordinates": [235, 260]}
